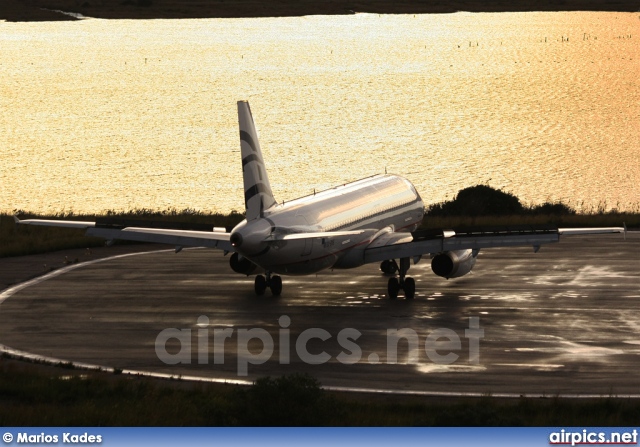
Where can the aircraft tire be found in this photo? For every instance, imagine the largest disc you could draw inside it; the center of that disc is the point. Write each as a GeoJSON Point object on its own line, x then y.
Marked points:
{"type": "Point", "coordinates": [393, 287]}
{"type": "Point", "coordinates": [260, 285]}
{"type": "Point", "coordinates": [409, 288]}
{"type": "Point", "coordinates": [276, 285]}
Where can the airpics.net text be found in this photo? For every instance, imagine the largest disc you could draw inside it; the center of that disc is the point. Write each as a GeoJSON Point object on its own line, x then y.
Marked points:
{"type": "Point", "coordinates": [256, 346]}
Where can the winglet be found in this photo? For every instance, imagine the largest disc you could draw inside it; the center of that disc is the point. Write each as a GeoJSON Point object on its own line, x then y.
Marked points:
{"type": "Point", "coordinates": [16, 220]}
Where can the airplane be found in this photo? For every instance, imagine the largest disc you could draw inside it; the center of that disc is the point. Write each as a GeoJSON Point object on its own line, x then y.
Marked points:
{"type": "Point", "coordinates": [371, 220]}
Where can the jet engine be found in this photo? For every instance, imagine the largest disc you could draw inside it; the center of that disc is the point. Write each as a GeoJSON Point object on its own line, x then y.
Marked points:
{"type": "Point", "coordinates": [241, 264]}
{"type": "Point", "coordinates": [453, 264]}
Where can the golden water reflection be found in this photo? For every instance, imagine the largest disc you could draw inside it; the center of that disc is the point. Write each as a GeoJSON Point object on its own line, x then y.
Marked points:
{"type": "Point", "coordinates": [119, 114]}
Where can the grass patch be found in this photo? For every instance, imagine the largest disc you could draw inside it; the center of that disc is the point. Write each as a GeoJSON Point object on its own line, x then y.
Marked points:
{"type": "Point", "coordinates": [27, 240]}
{"type": "Point", "coordinates": [51, 397]}
{"type": "Point", "coordinates": [570, 221]}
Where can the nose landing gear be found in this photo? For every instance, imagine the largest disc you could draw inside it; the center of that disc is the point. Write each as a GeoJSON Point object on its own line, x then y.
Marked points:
{"type": "Point", "coordinates": [273, 282]}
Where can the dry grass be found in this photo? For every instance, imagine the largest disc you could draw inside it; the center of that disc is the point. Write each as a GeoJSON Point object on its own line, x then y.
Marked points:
{"type": "Point", "coordinates": [569, 221]}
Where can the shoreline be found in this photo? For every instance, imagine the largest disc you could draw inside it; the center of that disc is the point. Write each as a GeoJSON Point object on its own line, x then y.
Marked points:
{"type": "Point", "coordinates": [52, 10]}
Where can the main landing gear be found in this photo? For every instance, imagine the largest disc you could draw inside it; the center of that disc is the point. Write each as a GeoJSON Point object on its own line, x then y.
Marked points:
{"type": "Point", "coordinates": [273, 282]}
{"type": "Point", "coordinates": [390, 267]}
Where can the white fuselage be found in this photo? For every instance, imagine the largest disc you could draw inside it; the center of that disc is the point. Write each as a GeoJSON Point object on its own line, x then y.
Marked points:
{"type": "Point", "coordinates": [378, 205]}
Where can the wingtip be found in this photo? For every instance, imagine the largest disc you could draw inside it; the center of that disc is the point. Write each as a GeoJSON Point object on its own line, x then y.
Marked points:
{"type": "Point", "coordinates": [16, 220]}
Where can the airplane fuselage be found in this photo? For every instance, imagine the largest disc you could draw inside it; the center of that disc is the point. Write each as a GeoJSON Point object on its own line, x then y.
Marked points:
{"type": "Point", "coordinates": [376, 205]}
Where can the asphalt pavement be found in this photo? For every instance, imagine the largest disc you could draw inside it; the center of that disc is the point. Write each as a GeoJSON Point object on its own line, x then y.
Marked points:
{"type": "Point", "coordinates": [560, 321]}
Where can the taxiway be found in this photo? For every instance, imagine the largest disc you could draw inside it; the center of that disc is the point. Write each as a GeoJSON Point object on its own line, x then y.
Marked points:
{"type": "Point", "coordinates": [562, 321]}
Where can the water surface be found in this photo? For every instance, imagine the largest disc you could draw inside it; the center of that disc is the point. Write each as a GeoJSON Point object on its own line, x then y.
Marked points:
{"type": "Point", "coordinates": [118, 114]}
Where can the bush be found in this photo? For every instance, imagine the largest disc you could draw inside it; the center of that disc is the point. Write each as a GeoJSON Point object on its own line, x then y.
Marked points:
{"type": "Point", "coordinates": [293, 400]}
{"type": "Point", "coordinates": [555, 209]}
{"type": "Point", "coordinates": [479, 200]}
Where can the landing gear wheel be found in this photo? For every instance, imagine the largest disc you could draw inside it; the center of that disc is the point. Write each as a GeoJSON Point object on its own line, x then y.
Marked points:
{"type": "Point", "coordinates": [260, 285]}
{"type": "Point", "coordinates": [393, 287]}
{"type": "Point", "coordinates": [388, 267]}
{"type": "Point", "coordinates": [409, 288]}
{"type": "Point", "coordinates": [276, 285]}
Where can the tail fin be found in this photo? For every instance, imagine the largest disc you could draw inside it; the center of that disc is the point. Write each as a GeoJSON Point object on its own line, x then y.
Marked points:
{"type": "Point", "coordinates": [257, 190]}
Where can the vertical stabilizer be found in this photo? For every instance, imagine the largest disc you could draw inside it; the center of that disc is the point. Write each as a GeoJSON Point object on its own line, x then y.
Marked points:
{"type": "Point", "coordinates": [257, 190]}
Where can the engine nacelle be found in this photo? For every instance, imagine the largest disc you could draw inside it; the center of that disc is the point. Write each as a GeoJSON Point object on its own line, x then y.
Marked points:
{"type": "Point", "coordinates": [241, 264]}
{"type": "Point", "coordinates": [453, 264]}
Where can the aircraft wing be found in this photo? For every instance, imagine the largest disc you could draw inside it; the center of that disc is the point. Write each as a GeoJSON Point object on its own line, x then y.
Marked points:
{"type": "Point", "coordinates": [314, 235]}
{"type": "Point", "coordinates": [54, 223]}
{"type": "Point", "coordinates": [216, 238]}
{"type": "Point", "coordinates": [411, 245]}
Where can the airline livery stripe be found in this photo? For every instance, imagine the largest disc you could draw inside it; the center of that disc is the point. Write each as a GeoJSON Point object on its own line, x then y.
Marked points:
{"type": "Point", "coordinates": [244, 136]}
{"type": "Point", "coordinates": [254, 191]}
{"type": "Point", "coordinates": [249, 158]}
{"type": "Point", "coordinates": [354, 223]}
